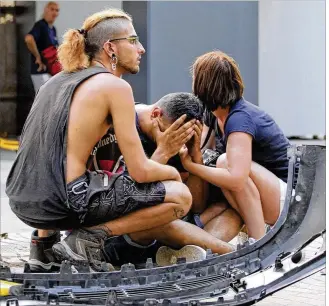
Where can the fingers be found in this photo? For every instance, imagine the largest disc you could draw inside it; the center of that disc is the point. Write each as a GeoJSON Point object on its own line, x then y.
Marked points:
{"type": "Point", "coordinates": [200, 125]}
{"type": "Point", "coordinates": [177, 123]}
{"type": "Point", "coordinates": [198, 128]}
{"type": "Point", "coordinates": [187, 136]}
{"type": "Point", "coordinates": [183, 150]}
{"type": "Point", "coordinates": [156, 131]}
{"type": "Point", "coordinates": [187, 131]}
{"type": "Point", "coordinates": [155, 124]}
{"type": "Point", "coordinates": [178, 138]}
{"type": "Point", "coordinates": [42, 67]}
{"type": "Point", "coordinates": [156, 127]}
{"type": "Point", "coordinates": [186, 126]}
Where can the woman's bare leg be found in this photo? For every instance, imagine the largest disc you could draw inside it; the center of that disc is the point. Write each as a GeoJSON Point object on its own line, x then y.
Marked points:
{"type": "Point", "coordinates": [258, 202]}
{"type": "Point", "coordinates": [248, 203]}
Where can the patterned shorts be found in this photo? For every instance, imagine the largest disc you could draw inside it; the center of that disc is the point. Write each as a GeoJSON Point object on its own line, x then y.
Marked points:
{"type": "Point", "coordinates": [97, 204]}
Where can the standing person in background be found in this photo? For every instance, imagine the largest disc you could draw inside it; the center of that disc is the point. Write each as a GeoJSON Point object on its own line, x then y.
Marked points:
{"type": "Point", "coordinates": [43, 36]}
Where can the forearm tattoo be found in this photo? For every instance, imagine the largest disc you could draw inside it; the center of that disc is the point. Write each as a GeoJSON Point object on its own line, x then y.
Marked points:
{"type": "Point", "coordinates": [105, 228]}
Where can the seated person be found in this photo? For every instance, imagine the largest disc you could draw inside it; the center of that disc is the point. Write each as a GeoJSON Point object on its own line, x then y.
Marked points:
{"type": "Point", "coordinates": [252, 172]}
{"type": "Point", "coordinates": [162, 138]}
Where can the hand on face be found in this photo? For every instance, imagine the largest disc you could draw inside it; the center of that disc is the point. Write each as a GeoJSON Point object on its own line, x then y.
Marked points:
{"type": "Point", "coordinates": [185, 157]}
{"type": "Point", "coordinates": [194, 145]}
{"type": "Point", "coordinates": [172, 140]}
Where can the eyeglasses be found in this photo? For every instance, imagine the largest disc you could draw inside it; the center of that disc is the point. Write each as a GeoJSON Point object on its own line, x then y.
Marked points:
{"type": "Point", "coordinates": [132, 39]}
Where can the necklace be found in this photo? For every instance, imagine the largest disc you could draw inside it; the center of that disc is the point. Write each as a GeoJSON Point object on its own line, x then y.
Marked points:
{"type": "Point", "coordinates": [99, 62]}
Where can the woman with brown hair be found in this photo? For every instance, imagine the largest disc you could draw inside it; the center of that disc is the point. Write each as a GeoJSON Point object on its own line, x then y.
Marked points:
{"type": "Point", "coordinates": [252, 172]}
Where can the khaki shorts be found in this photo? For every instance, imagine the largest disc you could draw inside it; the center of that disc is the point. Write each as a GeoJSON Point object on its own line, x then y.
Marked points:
{"type": "Point", "coordinates": [283, 191]}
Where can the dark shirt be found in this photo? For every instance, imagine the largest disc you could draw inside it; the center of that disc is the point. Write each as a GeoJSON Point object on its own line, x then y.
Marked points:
{"type": "Point", "coordinates": [269, 144]}
{"type": "Point", "coordinates": [44, 36]}
{"type": "Point", "coordinates": [36, 181]}
{"type": "Point", "coordinates": [107, 155]}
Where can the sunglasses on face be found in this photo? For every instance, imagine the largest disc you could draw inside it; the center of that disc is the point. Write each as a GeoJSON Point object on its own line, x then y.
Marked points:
{"type": "Point", "coordinates": [134, 40]}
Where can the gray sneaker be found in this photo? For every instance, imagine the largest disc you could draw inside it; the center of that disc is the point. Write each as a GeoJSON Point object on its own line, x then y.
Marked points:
{"type": "Point", "coordinates": [167, 256]}
{"type": "Point", "coordinates": [84, 246]}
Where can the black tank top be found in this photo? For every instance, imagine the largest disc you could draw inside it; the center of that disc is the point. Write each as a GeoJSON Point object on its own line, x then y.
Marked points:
{"type": "Point", "coordinates": [37, 176]}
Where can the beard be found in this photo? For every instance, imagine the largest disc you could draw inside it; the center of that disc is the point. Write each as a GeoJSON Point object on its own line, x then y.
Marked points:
{"type": "Point", "coordinates": [133, 69]}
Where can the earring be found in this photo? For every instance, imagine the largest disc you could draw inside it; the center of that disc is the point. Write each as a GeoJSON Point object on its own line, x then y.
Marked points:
{"type": "Point", "coordinates": [114, 62]}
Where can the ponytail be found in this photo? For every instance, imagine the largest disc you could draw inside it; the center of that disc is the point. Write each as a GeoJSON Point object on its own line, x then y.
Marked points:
{"type": "Point", "coordinates": [71, 53]}
{"type": "Point", "coordinates": [76, 52]}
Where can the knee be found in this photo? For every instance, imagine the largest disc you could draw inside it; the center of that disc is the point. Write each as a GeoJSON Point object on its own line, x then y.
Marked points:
{"type": "Point", "coordinates": [240, 183]}
{"type": "Point", "coordinates": [221, 161]}
{"type": "Point", "coordinates": [180, 195]}
{"type": "Point", "coordinates": [184, 198]}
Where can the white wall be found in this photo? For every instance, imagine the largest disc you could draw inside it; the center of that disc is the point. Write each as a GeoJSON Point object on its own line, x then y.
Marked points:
{"type": "Point", "coordinates": [292, 64]}
{"type": "Point", "coordinates": [73, 13]}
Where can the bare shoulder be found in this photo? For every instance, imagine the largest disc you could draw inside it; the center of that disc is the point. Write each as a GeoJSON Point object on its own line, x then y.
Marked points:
{"type": "Point", "coordinates": [111, 88]}
{"type": "Point", "coordinates": [104, 86]}
{"type": "Point", "coordinates": [106, 81]}
{"type": "Point", "coordinates": [102, 82]}
{"type": "Point", "coordinates": [115, 90]}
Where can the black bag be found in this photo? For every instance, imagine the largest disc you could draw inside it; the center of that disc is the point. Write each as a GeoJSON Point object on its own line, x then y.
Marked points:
{"type": "Point", "coordinates": [210, 156]}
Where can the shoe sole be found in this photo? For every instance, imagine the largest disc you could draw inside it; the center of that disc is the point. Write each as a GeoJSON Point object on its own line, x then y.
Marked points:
{"type": "Point", "coordinates": [62, 252]}
{"type": "Point", "coordinates": [167, 256]}
{"type": "Point", "coordinates": [37, 266]}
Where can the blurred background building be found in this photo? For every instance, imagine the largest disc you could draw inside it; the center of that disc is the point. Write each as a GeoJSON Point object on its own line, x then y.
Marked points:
{"type": "Point", "coordinates": [279, 46]}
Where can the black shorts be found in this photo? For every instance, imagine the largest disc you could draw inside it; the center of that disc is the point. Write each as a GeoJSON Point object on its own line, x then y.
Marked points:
{"type": "Point", "coordinates": [215, 195]}
{"type": "Point", "coordinates": [98, 197]}
{"type": "Point", "coordinates": [93, 198]}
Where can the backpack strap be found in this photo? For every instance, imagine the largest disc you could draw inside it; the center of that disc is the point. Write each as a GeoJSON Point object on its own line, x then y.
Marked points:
{"type": "Point", "coordinates": [211, 128]}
